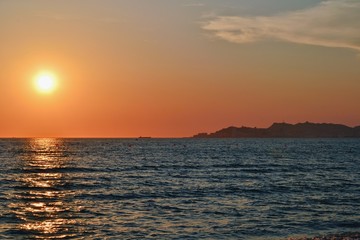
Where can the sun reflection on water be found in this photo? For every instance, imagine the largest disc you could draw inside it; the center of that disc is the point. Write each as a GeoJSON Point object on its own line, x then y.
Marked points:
{"type": "Point", "coordinates": [43, 203]}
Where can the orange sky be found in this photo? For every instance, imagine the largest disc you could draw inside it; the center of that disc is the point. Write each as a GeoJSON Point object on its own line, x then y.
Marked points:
{"type": "Point", "coordinates": [172, 68]}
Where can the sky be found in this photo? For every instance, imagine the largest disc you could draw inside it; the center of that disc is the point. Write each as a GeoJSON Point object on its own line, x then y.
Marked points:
{"type": "Point", "coordinates": [173, 68]}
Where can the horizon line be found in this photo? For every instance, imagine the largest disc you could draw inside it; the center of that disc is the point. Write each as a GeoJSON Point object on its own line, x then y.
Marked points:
{"type": "Point", "coordinates": [157, 137]}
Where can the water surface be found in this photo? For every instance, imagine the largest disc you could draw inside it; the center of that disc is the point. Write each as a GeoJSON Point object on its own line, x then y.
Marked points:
{"type": "Point", "coordinates": [178, 188]}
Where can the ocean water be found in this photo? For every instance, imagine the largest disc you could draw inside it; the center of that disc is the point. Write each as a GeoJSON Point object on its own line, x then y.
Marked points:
{"type": "Point", "coordinates": [178, 188]}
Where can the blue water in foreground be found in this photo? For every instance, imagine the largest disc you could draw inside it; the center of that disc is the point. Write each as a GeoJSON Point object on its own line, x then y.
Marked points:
{"type": "Point", "coordinates": [178, 188]}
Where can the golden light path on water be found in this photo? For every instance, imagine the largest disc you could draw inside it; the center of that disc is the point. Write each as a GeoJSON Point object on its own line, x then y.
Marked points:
{"type": "Point", "coordinates": [44, 203]}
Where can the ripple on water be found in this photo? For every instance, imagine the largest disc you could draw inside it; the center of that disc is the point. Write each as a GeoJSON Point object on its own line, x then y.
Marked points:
{"type": "Point", "coordinates": [185, 188]}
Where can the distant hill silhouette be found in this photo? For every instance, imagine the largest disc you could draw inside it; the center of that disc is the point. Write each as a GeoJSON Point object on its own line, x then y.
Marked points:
{"type": "Point", "coordinates": [286, 130]}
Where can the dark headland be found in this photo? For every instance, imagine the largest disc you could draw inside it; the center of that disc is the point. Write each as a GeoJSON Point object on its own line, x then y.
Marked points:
{"type": "Point", "coordinates": [286, 130]}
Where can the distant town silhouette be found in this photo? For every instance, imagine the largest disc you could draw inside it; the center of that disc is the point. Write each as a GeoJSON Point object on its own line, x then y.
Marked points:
{"type": "Point", "coordinates": [286, 130]}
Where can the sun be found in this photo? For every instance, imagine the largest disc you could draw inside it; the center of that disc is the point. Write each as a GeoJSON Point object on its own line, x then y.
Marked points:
{"type": "Point", "coordinates": [45, 82]}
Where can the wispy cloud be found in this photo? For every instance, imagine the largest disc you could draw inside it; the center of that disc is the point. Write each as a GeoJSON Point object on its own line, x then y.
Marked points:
{"type": "Point", "coordinates": [332, 23]}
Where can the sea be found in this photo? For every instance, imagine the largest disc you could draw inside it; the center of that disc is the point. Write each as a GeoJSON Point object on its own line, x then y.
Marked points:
{"type": "Point", "coordinates": [178, 188]}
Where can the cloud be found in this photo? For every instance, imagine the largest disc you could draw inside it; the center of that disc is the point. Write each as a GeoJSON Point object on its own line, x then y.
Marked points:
{"type": "Point", "coordinates": [332, 23]}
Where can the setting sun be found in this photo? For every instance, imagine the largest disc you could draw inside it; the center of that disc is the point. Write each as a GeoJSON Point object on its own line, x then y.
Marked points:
{"type": "Point", "coordinates": [45, 82]}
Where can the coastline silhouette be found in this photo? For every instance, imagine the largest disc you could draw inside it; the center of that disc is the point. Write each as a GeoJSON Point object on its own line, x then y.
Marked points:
{"type": "Point", "coordinates": [286, 130]}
